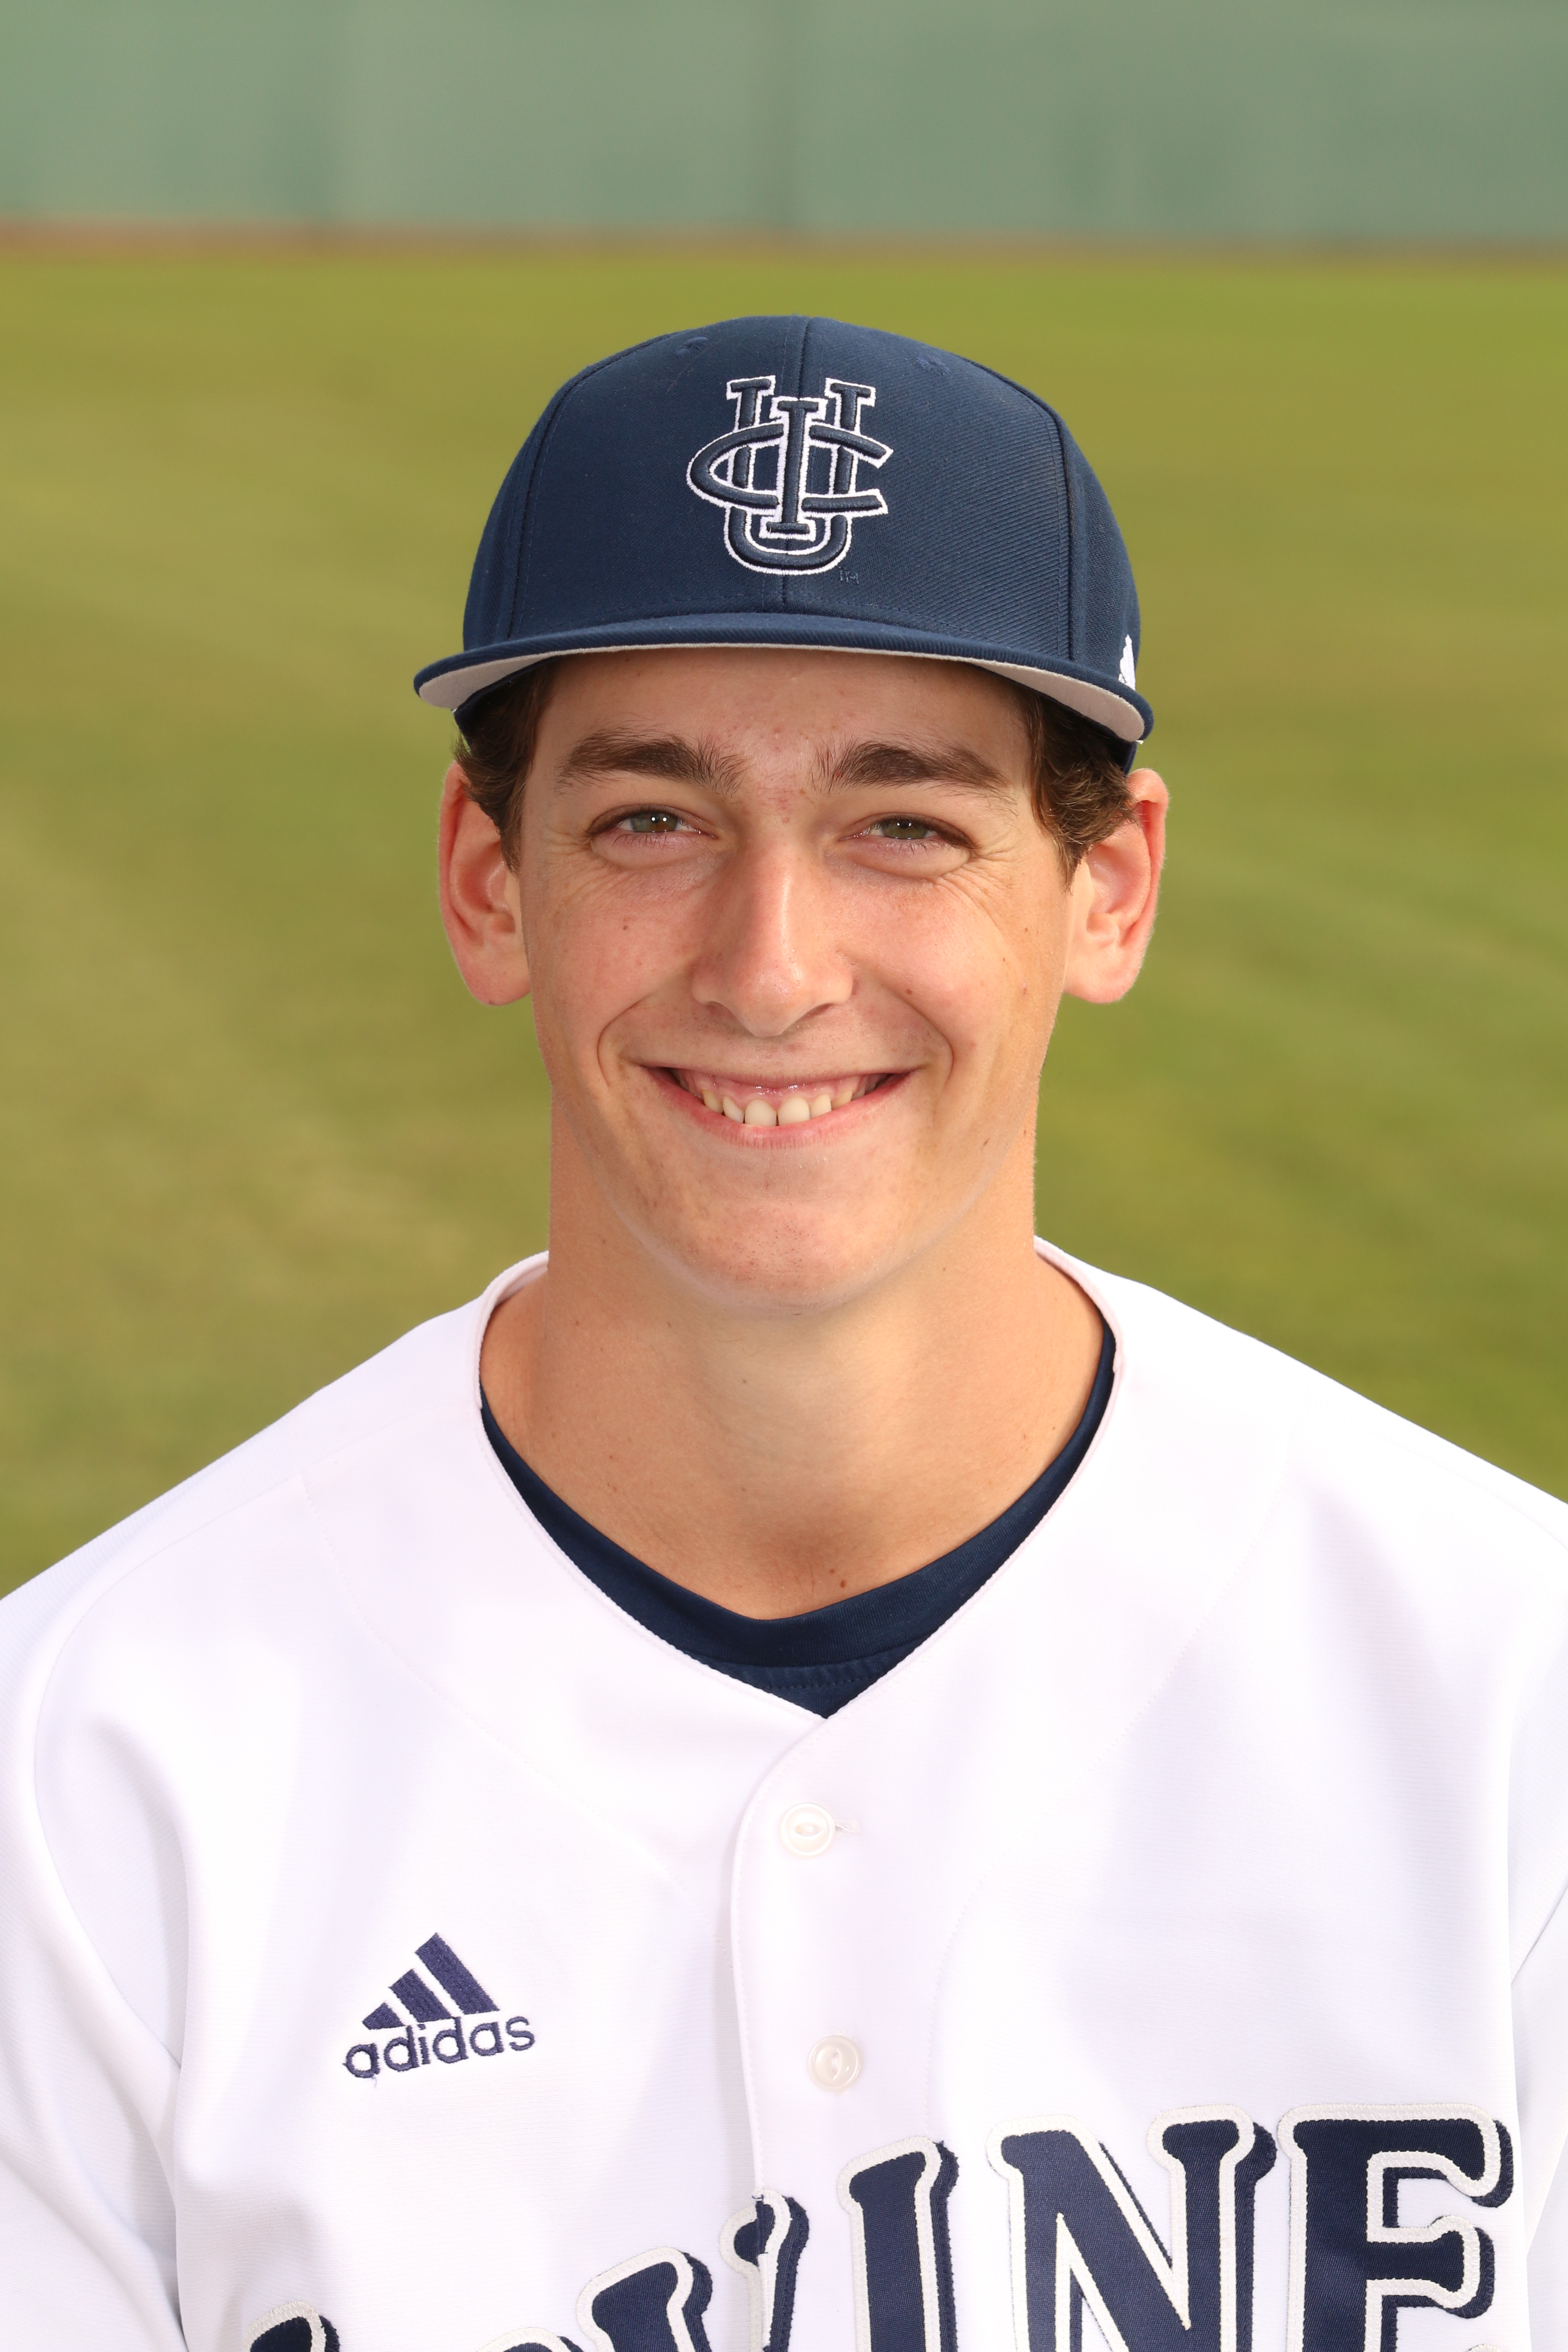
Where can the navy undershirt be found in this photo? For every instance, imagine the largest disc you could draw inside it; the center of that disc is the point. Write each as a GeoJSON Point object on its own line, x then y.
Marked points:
{"type": "Point", "coordinates": [829, 1656]}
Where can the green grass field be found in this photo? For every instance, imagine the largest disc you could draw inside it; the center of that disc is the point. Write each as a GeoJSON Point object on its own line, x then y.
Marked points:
{"type": "Point", "coordinates": [250, 1126]}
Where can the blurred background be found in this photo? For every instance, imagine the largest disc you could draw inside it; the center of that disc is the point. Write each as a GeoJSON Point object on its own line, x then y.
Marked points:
{"type": "Point", "coordinates": [281, 290]}
{"type": "Point", "coordinates": [1186, 118]}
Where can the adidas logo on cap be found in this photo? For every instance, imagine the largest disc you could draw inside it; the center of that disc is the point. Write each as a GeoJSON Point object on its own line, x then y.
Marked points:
{"type": "Point", "coordinates": [432, 2029]}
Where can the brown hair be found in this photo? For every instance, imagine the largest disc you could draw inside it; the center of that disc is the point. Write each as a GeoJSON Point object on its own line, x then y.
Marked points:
{"type": "Point", "coordinates": [1081, 786]}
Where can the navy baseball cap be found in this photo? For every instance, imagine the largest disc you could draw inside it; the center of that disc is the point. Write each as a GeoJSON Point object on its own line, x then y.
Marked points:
{"type": "Point", "coordinates": [800, 482]}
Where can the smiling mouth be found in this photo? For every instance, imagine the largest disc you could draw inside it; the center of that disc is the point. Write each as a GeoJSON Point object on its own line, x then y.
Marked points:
{"type": "Point", "coordinates": [753, 1102]}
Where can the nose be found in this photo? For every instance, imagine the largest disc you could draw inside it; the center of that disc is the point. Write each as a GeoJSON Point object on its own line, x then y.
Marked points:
{"type": "Point", "coordinates": [768, 958]}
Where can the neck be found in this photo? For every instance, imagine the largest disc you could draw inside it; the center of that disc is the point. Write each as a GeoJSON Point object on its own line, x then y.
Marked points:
{"type": "Point", "coordinates": [775, 1463]}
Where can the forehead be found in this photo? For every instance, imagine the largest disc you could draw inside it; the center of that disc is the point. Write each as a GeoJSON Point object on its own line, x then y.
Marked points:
{"type": "Point", "coordinates": [756, 701]}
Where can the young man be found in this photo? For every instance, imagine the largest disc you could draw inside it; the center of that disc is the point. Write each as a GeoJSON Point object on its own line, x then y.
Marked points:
{"type": "Point", "coordinates": [809, 1773]}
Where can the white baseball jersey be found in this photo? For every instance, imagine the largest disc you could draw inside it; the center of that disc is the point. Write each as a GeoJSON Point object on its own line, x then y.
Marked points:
{"type": "Point", "coordinates": [404, 1950]}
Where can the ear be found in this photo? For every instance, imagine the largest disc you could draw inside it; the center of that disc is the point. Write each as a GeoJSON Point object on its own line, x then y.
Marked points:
{"type": "Point", "coordinates": [1115, 891]}
{"type": "Point", "coordinates": [480, 904]}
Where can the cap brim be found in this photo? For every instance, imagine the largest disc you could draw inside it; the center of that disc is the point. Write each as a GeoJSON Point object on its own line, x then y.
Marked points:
{"type": "Point", "coordinates": [461, 678]}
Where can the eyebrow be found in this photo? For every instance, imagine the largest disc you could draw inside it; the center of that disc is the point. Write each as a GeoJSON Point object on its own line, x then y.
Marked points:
{"type": "Point", "coordinates": [671, 758]}
{"type": "Point", "coordinates": [677, 760]}
{"type": "Point", "coordinates": [910, 763]}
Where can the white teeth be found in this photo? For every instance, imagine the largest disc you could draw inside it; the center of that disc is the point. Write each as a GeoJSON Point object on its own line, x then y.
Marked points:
{"type": "Point", "coordinates": [790, 1109]}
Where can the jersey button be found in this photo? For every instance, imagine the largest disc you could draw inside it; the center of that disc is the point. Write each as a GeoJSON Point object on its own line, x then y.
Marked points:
{"type": "Point", "coordinates": [806, 1829]}
{"type": "Point", "coordinates": [834, 2063]}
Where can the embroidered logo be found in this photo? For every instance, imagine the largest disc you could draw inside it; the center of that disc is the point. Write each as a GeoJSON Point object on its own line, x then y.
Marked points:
{"type": "Point", "coordinates": [788, 474]}
{"type": "Point", "coordinates": [473, 2027]}
{"type": "Point", "coordinates": [1128, 673]}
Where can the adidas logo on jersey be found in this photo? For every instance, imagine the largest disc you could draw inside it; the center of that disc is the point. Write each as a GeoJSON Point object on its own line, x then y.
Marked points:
{"type": "Point", "coordinates": [429, 2029]}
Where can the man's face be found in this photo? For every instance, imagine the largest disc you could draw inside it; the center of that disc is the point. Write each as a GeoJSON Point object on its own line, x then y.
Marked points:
{"type": "Point", "coordinates": [795, 940]}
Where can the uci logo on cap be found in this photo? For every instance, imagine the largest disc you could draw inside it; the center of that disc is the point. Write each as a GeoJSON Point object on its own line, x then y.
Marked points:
{"type": "Point", "coordinates": [802, 520]}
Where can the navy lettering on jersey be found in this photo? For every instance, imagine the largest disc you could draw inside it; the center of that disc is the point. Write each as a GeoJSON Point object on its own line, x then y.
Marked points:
{"type": "Point", "coordinates": [764, 2242]}
{"type": "Point", "coordinates": [653, 2304]}
{"type": "Point", "coordinates": [1080, 2235]}
{"type": "Point", "coordinates": [456, 2050]}
{"type": "Point", "coordinates": [1354, 2265]}
{"type": "Point", "coordinates": [293, 2327]}
{"type": "Point", "coordinates": [897, 2202]}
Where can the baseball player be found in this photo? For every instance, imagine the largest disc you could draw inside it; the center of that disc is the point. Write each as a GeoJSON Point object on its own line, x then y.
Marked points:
{"type": "Point", "coordinates": [807, 1774]}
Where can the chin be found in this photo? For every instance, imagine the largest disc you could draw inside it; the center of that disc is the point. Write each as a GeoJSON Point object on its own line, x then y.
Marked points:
{"type": "Point", "coordinates": [787, 1265]}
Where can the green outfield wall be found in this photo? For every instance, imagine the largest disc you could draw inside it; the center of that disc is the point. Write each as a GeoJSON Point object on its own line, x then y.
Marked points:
{"type": "Point", "coordinates": [1433, 119]}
